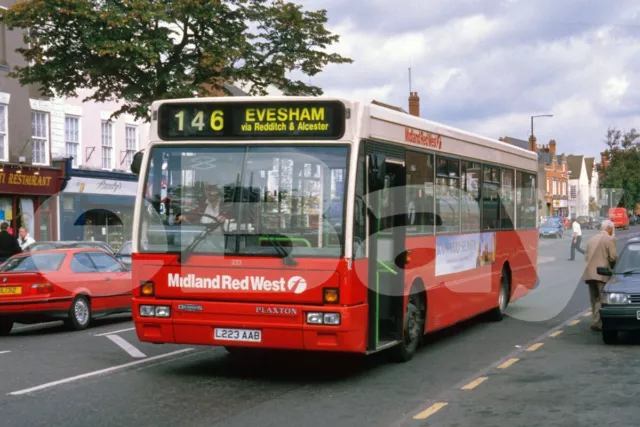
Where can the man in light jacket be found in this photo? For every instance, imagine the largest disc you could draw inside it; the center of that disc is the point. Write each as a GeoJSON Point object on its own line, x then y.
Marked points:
{"type": "Point", "coordinates": [601, 252]}
{"type": "Point", "coordinates": [25, 240]}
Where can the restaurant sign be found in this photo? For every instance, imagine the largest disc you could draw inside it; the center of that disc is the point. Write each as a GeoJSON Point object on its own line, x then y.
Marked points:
{"type": "Point", "coordinates": [16, 181]}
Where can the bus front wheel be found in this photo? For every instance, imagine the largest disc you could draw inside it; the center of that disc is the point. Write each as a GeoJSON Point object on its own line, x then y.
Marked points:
{"type": "Point", "coordinates": [413, 329]}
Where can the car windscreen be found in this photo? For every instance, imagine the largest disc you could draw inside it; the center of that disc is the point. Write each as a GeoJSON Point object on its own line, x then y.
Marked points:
{"type": "Point", "coordinates": [34, 263]}
{"type": "Point", "coordinates": [551, 224]}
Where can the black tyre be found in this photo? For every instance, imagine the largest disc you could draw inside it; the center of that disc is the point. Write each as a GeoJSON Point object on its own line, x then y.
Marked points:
{"type": "Point", "coordinates": [497, 314]}
{"type": "Point", "coordinates": [610, 337]}
{"type": "Point", "coordinates": [5, 327]}
{"type": "Point", "coordinates": [79, 313]}
{"type": "Point", "coordinates": [413, 329]}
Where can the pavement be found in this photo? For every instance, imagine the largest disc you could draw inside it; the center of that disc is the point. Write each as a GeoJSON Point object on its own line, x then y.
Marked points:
{"type": "Point", "coordinates": [541, 365]}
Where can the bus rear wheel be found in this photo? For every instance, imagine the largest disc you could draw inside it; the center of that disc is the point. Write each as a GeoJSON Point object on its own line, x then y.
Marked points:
{"type": "Point", "coordinates": [503, 297]}
{"type": "Point", "coordinates": [412, 331]}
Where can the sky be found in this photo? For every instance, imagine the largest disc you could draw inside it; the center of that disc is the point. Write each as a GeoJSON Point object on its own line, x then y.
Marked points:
{"type": "Point", "coordinates": [487, 66]}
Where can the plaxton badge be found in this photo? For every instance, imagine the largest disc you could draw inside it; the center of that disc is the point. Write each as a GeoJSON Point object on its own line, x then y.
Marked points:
{"type": "Point", "coordinates": [289, 311]}
{"type": "Point", "coordinates": [221, 282]}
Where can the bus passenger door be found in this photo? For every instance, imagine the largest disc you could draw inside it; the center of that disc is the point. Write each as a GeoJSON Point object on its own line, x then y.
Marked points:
{"type": "Point", "coordinates": [387, 219]}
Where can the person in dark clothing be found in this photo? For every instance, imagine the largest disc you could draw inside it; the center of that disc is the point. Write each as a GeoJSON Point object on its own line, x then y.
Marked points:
{"type": "Point", "coordinates": [9, 245]}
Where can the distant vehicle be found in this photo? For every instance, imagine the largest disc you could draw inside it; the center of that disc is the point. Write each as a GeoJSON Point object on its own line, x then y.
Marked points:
{"type": "Point", "coordinates": [551, 228]}
{"type": "Point", "coordinates": [620, 309]}
{"type": "Point", "coordinates": [68, 244]}
{"type": "Point", "coordinates": [619, 217]}
{"type": "Point", "coordinates": [124, 254]}
{"type": "Point", "coordinates": [585, 222]}
{"type": "Point", "coordinates": [74, 285]}
{"type": "Point", "coordinates": [597, 222]}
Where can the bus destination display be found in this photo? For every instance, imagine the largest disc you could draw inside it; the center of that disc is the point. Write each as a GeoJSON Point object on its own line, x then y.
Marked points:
{"type": "Point", "coordinates": [234, 120]}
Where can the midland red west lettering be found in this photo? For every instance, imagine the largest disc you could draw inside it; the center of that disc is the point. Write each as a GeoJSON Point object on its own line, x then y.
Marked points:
{"type": "Point", "coordinates": [423, 138]}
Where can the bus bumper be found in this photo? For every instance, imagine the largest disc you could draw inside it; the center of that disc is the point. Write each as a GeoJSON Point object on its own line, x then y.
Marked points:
{"type": "Point", "coordinates": [281, 326]}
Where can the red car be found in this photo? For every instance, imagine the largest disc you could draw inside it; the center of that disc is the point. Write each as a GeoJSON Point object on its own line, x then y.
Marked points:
{"type": "Point", "coordinates": [73, 285]}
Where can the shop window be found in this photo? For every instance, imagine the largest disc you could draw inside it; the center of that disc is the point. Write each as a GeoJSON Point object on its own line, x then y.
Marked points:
{"type": "Point", "coordinates": [4, 140]}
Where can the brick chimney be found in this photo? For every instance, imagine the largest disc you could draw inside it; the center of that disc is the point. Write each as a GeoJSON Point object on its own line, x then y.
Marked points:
{"type": "Point", "coordinates": [532, 143]}
{"type": "Point", "coordinates": [552, 146]}
{"type": "Point", "coordinates": [414, 104]}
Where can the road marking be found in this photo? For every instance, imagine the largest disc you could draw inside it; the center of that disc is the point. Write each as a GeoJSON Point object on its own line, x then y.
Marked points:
{"type": "Point", "coordinates": [126, 346]}
{"type": "Point", "coordinates": [5, 351]}
{"type": "Point", "coordinates": [588, 314]}
{"type": "Point", "coordinates": [535, 346]}
{"type": "Point", "coordinates": [555, 334]}
{"type": "Point", "coordinates": [545, 259]}
{"type": "Point", "coordinates": [475, 383]}
{"type": "Point", "coordinates": [96, 373]}
{"type": "Point", "coordinates": [114, 332]}
{"type": "Point", "coordinates": [508, 363]}
{"type": "Point", "coordinates": [430, 411]}
{"type": "Point", "coordinates": [574, 322]}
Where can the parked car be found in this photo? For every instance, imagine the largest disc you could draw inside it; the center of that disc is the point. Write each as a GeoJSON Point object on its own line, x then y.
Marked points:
{"type": "Point", "coordinates": [75, 285]}
{"type": "Point", "coordinates": [585, 222]}
{"type": "Point", "coordinates": [43, 246]}
{"type": "Point", "coordinates": [124, 254]}
{"type": "Point", "coordinates": [551, 228]}
{"type": "Point", "coordinates": [597, 222]}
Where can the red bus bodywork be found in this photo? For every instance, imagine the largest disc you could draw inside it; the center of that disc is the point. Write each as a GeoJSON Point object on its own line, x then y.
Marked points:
{"type": "Point", "coordinates": [280, 315]}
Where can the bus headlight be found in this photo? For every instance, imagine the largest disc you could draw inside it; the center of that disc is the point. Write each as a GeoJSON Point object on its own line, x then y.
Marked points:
{"type": "Point", "coordinates": [147, 310]}
{"type": "Point", "coordinates": [163, 311]}
{"type": "Point", "coordinates": [314, 318]}
{"type": "Point", "coordinates": [332, 318]}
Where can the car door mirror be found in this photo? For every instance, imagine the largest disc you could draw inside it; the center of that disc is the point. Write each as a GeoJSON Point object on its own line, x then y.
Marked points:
{"type": "Point", "coordinates": [604, 271]}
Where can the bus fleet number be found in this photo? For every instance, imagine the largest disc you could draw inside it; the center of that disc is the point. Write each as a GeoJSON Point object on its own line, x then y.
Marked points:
{"type": "Point", "coordinates": [216, 120]}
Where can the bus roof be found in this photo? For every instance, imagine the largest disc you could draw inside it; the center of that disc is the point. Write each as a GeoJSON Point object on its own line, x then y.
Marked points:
{"type": "Point", "coordinates": [384, 124]}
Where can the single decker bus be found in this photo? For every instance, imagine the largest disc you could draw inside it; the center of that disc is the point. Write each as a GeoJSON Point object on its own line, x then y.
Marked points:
{"type": "Point", "coordinates": [322, 224]}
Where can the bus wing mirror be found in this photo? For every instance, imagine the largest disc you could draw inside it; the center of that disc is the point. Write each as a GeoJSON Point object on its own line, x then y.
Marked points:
{"type": "Point", "coordinates": [136, 163]}
{"type": "Point", "coordinates": [376, 172]}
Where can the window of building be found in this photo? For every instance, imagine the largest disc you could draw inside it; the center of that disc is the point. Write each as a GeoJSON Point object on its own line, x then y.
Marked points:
{"type": "Point", "coordinates": [4, 139]}
{"type": "Point", "coordinates": [72, 138]}
{"type": "Point", "coordinates": [448, 195]}
{"type": "Point", "coordinates": [491, 199]}
{"type": "Point", "coordinates": [470, 196]}
{"type": "Point", "coordinates": [564, 188]}
{"type": "Point", "coordinates": [39, 137]}
{"type": "Point", "coordinates": [107, 145]}
{"type": "Point", "coordinates": [420, 215]}
{"type": "Point", "coordinates": [507, 199]}
{"type": "Point", "coordinates": [555, 187]}
{"type": "Point", "coordinates": [573, 190]}
{"type": "Point", "coordinates": [131, 144]}
{"type": "Point", "coordinates": [549, 185]}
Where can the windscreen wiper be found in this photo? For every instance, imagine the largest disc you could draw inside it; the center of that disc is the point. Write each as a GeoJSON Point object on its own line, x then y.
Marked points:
{"type": "Point", "coordinates": [633, 271]}
{"type": "Point", "coordinates": [287, 258]}
{"type": "Point", "coordinates": [208, 229]}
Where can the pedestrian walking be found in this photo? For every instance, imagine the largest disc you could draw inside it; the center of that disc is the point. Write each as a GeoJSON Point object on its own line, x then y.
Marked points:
{"type": "Point", "coordinates": [25, 239]}
{"type": "Point", "coordinates": [8, 244]}
{"type": "Point", "coordinates": [576, 240]}
{"type": "Point", "coordinates": [601, 252]}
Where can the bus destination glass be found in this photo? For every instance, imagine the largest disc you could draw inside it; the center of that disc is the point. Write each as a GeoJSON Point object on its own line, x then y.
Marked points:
{"type": "Point", "coordinates": [254, 120]}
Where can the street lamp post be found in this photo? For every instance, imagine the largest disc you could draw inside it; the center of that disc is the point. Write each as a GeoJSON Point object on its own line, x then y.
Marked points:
{"type": "Point", "coordinates": [541, 115]}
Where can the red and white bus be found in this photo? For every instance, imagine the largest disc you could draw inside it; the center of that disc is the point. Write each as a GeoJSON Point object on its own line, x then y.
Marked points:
{"type": "Point", "coordinates": [324, 224]}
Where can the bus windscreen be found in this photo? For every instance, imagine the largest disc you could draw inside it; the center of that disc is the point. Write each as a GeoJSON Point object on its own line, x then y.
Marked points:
{"type": "Point", "coordinates": [252, 120]}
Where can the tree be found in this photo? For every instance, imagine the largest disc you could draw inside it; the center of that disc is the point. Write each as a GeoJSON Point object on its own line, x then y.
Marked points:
{"type": "Point", "coordinates": [140, 51]}
{"type": "Point", "coordinates": [623, 171]}
{"type": "Point", "coordinates": [594, 206]}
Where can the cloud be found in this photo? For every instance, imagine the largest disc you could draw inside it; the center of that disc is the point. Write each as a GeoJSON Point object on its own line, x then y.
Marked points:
{"type": "Point", "coordinates": [488, 66]}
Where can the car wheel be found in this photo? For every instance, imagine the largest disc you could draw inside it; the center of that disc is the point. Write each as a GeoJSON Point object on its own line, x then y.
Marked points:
{"type": "Point", "coordinates": [610, 337]}
{"type": "Point", "coordinates": [5, 327]}
{"type": "Point", "coordinates": [412, 331]}
{"type": "Point", "coordinates": [79, 313]}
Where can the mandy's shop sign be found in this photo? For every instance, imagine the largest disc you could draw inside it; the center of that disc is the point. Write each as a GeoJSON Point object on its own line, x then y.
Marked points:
{"type": "Point", "coordinates": [101, 186]}
{"type": "Point", "coordinates": [46, 182]}
{"type": "Point", "coordinates": [423, 138]}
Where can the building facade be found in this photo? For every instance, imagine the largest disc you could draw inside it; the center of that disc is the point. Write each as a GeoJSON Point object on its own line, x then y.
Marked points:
{"type": "Point", "coordinates": [579, 188]}
{"type": "Point", "coordinates": [594, 186]}
{"type": "Point", "coordinates": [29, 173]}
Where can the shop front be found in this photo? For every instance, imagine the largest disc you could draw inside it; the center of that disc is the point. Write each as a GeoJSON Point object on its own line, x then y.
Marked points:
{"type": "Point", "coordinates": [26, 199]}
{"type": "Point", "coordinates": [98, 206]}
